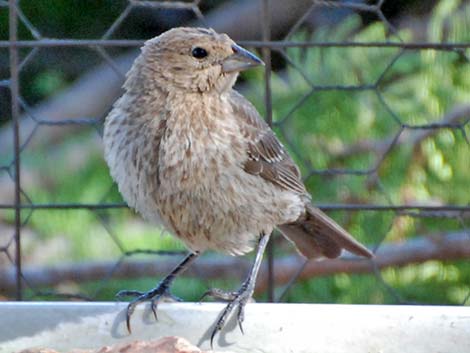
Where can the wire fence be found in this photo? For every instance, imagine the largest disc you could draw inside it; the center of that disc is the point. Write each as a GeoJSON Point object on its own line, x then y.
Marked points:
{"type": "Point", "coordinates": [450, 236]}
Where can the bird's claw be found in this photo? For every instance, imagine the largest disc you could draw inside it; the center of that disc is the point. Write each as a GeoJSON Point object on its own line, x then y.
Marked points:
{"type": "Point", "coordinates": [235, 299]}
{"type": "Point", "coordinates": [129, 293]}
{"type": "Point", "coordinates": [154, 295]}
{"type": "Point", "coordinates": [219, 294]}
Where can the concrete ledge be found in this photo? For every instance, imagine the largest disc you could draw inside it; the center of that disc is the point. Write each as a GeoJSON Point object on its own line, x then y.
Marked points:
{"type": "Point", "coordinates": [272, 328]}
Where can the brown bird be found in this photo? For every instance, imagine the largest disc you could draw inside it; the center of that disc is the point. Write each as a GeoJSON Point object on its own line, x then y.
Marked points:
{"type": "Point", "coordinates": [188, 151]}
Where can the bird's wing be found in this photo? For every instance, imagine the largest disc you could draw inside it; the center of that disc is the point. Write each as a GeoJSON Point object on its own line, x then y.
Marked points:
{"type": "Point", "coordinates": [267, 157]}
{"type": "Point", "coordinates": [314, 234]}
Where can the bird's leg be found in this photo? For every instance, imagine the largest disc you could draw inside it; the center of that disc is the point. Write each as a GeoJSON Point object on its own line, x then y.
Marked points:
{"type": "Point", "coordinates": [240, 297]}
{"type": "Point", "coordinates": [155, 294]}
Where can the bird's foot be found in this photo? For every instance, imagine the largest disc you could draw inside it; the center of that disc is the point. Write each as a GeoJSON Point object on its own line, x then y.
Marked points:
{"type": "Point", "coordinates": [155, 295]}
{"type": "Point", "coordinates": [219, 294]}
{"type": "Point", "coordinates": [235, 299]}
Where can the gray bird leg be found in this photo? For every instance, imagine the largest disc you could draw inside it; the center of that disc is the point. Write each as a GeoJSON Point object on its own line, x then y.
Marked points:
{"type": "Point", "coordinates": [240, 297]}
{"type": "Point", "coordinates": [154, 295]}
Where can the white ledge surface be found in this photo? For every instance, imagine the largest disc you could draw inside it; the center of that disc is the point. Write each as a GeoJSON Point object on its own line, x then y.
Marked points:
{"type": "Point", "coordinates": [272, 328]}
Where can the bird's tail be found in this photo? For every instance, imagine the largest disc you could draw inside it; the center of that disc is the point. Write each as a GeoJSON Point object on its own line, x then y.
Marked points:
{"type": "Point", "coordinates": [316, 235]}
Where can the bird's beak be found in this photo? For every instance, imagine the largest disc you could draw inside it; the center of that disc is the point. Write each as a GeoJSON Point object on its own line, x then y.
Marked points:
{"type": "Point", "coordinates": [240, 60]}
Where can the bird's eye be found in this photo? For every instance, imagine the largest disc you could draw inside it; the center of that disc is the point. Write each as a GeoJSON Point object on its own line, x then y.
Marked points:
{"type": "Point", "coordinates": [199, 53]}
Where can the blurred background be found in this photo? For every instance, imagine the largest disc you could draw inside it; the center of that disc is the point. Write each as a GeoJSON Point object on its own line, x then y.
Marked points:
{"type": "Point", "coordinates": [372, 99]}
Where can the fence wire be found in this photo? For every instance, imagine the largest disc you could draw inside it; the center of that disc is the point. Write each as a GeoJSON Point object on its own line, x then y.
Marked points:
{"type": "Point", "coordinates": [443, 244]}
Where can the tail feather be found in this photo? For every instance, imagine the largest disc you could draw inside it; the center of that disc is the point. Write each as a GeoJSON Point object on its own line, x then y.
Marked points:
{"type": "Point", "coordinates": [317, 235]}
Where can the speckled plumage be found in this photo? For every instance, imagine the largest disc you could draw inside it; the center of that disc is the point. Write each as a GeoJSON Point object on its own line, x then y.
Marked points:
{"type": "Point", "coordinates": [188, 151]}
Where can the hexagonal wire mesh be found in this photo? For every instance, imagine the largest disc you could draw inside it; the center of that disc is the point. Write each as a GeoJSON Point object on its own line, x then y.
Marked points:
{"type": "Point", "coordinates": [359, 152]}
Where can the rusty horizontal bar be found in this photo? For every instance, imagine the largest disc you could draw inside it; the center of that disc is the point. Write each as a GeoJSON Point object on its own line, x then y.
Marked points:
{"type": "Point", "coordinates": [259, 44]}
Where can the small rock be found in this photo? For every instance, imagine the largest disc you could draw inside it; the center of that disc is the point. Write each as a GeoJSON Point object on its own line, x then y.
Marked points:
{"type": "Point", "coordinates": [171, 344]}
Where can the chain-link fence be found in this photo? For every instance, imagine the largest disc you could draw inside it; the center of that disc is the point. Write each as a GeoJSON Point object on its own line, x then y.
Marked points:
{"type": "Point", "coordinates": [373, 106]}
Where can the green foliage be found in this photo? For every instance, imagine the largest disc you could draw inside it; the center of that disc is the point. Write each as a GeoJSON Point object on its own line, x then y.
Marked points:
{"type": "Point", "coordinates": [67, 19]}
{"type": "Point", "coordinates": [48, 82]}
{"type": "Point", "coordinates": [432, 282]}
{"type": "Point", "coordinates": [408, 88]}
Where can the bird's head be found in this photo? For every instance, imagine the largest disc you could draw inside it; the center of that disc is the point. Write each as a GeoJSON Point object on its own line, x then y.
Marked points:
{"type": "Point", "coordinates": [193, 59]}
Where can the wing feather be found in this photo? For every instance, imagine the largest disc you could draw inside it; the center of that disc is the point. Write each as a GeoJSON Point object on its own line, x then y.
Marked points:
{"type": "Point", "coordinates": [266, 156]}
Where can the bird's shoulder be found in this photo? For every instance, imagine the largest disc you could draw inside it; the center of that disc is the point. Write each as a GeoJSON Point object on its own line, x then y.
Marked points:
{"type": "Point", "coordinates": [266, 156]}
